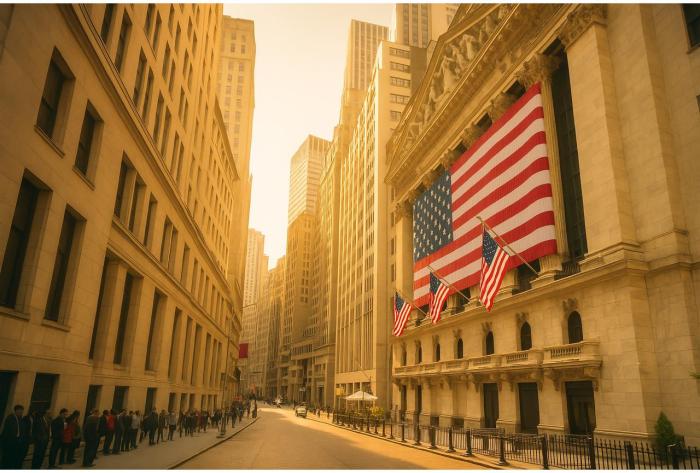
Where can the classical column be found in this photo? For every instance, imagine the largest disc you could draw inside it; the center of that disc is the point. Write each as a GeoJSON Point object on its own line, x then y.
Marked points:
{"type": "Point", "coordinates": [539, 69]}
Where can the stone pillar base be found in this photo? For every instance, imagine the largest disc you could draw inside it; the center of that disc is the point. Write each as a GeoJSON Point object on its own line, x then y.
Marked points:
{"type": "Point", "coordinates": [472, 422]}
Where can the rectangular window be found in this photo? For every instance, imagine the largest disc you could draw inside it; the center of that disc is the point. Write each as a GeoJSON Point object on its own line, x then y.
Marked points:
{"type": "Point", "coordinates": [42, 394]}
{"type": "Point", "coordinates": [60, 267]}
{"type": "Point", "coordinates": [135, 201]}
{"type": "Point", "coordinates": [692, 22]}
{"type": "Point", "coordinates": [119, 399]}
{"type": "Point", "coordinates": [16, 249]}
{"type": "Point", "coordinates": [107, 22]}
{"type": "Point", "coordinates": [159, 116]}
{"type": "Point", "coordinates": [150, 215]}
{"type": "Point", "coordinates": [398, 81]}
{"type": "Point", "coordinates": [174, 343]}
{"type": "Point", "coordinates": [156, 34]}
{"type": "Point", "coordinates": [123, 170]}
{"type": "Point", "coordinates": [87, 133]}
{"type": "Point", "coordinates": [138, 83]}
{"type": "Point", "coordinates": [96, 324]}
{"type": "Point", "coordinates": [395, 116]}
{"type": "Point", "coordinates": [166, 62]}
{"type": "Point", "coordinates": [51, 96]}
{"type": "Point", "coordinates": [399, 52]}
{"type": "Point", "coordinates": [397, 66]}
{"type": "Point", "coordinates": [165, 242]}
{"type": "Point", "coordinates": [149, 18]}
{"type": "Point", "coordinates": [121, 45]}
{"type": "Point", "coordinates": [123, 319]}
{"type": "Point", "coordinates": [400, 99]}
{"type": "Point", "coordinates": [150, 362]}
{"type": "Point", "coordinates": [147, 99]}
{"type": "Point", "coordinates": [166, 133]}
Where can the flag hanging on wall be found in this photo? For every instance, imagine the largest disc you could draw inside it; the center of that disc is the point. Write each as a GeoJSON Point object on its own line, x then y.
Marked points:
{"type": "Point", "coordinates": [504, 178]}
{"type": "Point", "coordinates": [242, 351]}
{"type": "Point", "coordinates": [438, 295]}
{"type": "Point", "coordinates": [494, 260]}
{"type": "Point", "coordinates": [402, 310]}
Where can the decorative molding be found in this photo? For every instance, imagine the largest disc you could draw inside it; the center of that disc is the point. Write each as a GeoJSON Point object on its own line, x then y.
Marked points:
{"type": "Point", "coordinates": [570, 305]}
{"type": "Point", "coordinates": [499, 104]}
{"type": "Point", "coordinates": [486, 327]}
{"type": "Point", "coordinates": [522, 317]}
{"type": "Point", "coordinates": [537, 69]}
{"type": "Point", "coordinates": [580, 20]}
{"type": "Point", "coordinates": [457, 333]}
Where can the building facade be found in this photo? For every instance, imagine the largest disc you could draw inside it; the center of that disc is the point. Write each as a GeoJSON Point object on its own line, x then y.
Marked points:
{"type": "Point", "coordinates": [419, 24]}
{"type": "Point", "coordinates": [117, 224]}
{"type": "Point", "coordinates": [304, 176]}
{"type": "Point", "coordinates": [606, 337]}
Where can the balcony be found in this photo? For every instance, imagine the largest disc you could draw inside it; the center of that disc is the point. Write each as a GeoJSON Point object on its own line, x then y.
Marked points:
{"type": "Point", "coordinates": [455, 366]}
{"type": "Point", "coordinates": [585, 353]}
{"type": "Point", "coordinates": [522, 359]}
{"type": "Point", "coordinates": [487, 362]}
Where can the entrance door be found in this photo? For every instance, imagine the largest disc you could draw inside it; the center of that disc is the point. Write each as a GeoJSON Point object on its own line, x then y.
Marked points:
{"type": "Point", "coordinates": [7, 379]}
{"type": "Point", "coordinates": [529, 408]}
{"type": "Point", "coordinates": [580, 406]}
{"type": "Point", "coordinates": [490, 405]}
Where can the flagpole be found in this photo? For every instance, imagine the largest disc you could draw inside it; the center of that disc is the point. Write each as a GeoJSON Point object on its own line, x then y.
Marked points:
{"type": "Point", "coordinates": [448, 283]}
{"type": "Point", "coordinates": [505, 243]}
{"type": "Point", "coordinates": [415, 306]}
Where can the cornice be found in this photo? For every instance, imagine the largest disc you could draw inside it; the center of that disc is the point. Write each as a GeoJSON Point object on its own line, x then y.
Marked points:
{"type": "Point", "coordinates": [579, 20]}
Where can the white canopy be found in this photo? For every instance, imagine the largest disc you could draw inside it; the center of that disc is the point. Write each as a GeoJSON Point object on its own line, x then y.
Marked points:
{"type": "Point", "coordinates": [361, 396]}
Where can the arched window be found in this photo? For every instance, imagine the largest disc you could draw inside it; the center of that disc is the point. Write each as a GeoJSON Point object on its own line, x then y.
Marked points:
{"type": "Point", "coordinates": [437, 352]}
{"type": "Point", "coordinates": [403, 357]}
{"type": "Point", "coordinates": [419, 354]}
{"type": "Point", "coordinates": [488, 345]}
{"type": "Point", "coordinates": [525, 336]}
{"type": "Point", "coordinates": [460, 349]}
{"type": "Point", "coordinates": [575, 327]}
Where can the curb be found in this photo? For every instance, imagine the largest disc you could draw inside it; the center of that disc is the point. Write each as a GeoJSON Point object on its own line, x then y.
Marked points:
{"type": "Point", "coordinates": [485, 464]}
{"type": "Point", "coordinates": [215, 444]}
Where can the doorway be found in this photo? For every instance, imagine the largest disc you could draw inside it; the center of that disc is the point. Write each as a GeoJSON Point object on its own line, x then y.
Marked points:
{"type": "Point", "coordinates": [580, 406]}
{"type": "Point", "coordinates": [490, 405]}
{"type": "Point", "coordinates": [529, 408]}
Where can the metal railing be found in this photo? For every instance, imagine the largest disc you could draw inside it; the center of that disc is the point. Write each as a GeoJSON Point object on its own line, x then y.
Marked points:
{"type": "Point", "coordinates": [580, 452]}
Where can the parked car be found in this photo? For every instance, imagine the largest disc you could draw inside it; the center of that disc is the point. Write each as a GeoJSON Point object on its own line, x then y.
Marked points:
{"type": "Point", "coordinates": [300, 410]}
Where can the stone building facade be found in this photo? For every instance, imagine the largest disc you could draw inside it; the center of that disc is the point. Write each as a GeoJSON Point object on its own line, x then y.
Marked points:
{"type": "Point", "coordinates": [116, 198]}
{"type": "Point", "coordinates": [606, 337]}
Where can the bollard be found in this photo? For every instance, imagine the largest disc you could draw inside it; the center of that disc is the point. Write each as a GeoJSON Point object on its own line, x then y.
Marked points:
{"type": "Point", "coordinates": [545, 453]}
{"type": "Point", "coordinates": [367, 423]}
{"type": "Point", "coordinates": [450, 445]}
{"type": "Point", "coordinates": [468, 453]}
{"type": "Point", "coordinates": [630, 455]}
{"type": "Point", "coordinates": [431, 436]}
{"type": "Point", "coordinates": [403, 437]}
{"type": "Point", "coordinates": [383, 427]}
{"type": "Point", "coordinates": [417, 435]}
{"type": "Point", "coordinates": [391, 430]}
{"type": "Point", "coordinates": [591, 452]}
{"type": "Point", "coordinates": [502, 450]}
{"type": "Point", "coordinates": [674, 456]}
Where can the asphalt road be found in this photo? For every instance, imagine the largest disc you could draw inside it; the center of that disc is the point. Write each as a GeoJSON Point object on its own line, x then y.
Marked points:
{"type": "Point", "coordinates": [281, 440]}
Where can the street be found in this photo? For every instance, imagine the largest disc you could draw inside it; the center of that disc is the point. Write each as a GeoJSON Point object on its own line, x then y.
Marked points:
{"type": "Point", "coordinates": [281, 440]}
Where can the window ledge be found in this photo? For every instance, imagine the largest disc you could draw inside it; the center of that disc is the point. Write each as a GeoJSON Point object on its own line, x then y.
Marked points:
{"type": "Point", "coordinates": [9, 312]}
{"type": "Point", "coordinates": [693, 48]}
{"type": "Point", "coordinates": [84, 178]}
{"type": "Point", "coordinates": [50, 141]}
{"type": "Point", "coordinates": [56, 325]}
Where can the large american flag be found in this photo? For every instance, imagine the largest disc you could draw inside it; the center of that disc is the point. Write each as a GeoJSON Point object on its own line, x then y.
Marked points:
{"type": "Point", "coordinates": [504, 178]}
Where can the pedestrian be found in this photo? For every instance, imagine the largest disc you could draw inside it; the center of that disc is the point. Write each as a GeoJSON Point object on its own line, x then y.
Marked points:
{"type": "Point", "coordinates": [110, 422]}
{"type": "Point", "coordinates": [181, 423]}
{"type": "Point", "coordinates": [134, 429]}
{"type": "Point", "coordinates": [40, 437]}
{"type": "Point", "coordinates": [119, 428]}
{"type": "Point", "coordinates": [247, 415]}
{"type": "Point", "coordinates": [126, 436]}
{"type": "Point", "coordinates": [66, 440]}
{"type": "Point", "coordinates": [12, 438]}
{"type": "Point", "coordinates": [162, 423]}
{"type": "Point", "coordinates": [151, 424]}
{"type": "Point", "coordinates": [91, 433]}
{"type": "Point", "coordinates": [76, 436]}
{"type": "Point", "coordinates": [240, 414]}
{"type": "Point", "coordinates": [57, 427]}
{"type": "Point", "coordinates": [172, 425]}
{"type": "Point", "coordinates": [255, 410]}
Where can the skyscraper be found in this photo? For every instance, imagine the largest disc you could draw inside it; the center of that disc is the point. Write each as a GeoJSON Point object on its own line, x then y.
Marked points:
{"type": "Point", "coordinates": [363, 39]}
{"type": "Point", "coordinates": [304, 176]}
{"type": "Point", "coordinates": [417, 24]}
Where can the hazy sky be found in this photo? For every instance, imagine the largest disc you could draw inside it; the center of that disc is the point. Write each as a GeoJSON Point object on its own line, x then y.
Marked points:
{"type": "Point", "coordinates": [298, 80]}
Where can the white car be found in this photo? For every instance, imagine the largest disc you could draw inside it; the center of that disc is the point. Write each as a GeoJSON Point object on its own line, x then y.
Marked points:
{"type": "Point", "coordinates": [300, 411]}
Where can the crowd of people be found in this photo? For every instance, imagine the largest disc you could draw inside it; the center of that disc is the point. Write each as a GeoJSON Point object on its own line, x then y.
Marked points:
{"type": "Point", "coordinates": [112, 432]}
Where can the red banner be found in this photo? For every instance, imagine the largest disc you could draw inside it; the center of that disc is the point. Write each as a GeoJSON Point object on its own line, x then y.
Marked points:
{"type": "Point", "coordinates": [242, 350]}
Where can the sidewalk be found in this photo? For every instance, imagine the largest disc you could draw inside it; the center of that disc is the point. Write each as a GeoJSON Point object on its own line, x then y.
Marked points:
{"type": "Point", "coordinates": [164, 455]}
{"type": "Point", "coordinates": [481, 460]}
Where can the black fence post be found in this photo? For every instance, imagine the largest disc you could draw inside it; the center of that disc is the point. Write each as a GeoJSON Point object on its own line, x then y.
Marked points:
{"type": "Point", "coordinates": [630, 455]}
{"type": "Point", "coordinates": [431, 435]}
{"type": "Point", "coordinates": [674, 456]}
{"type": "Point", "coordinates": [468, 453]}
{"type": "Point", "coordinates": [545, 453]}
{"type": "Point", "coordinates": [403, 427]}
{"type": "Point", "coordinates": [591, 452]}
{"type": "Point", "coordinates": [450, 444]}
{"type": "Point", "coordinates": [376, 424]}
{"type": "Point", "coordinates": [391, 429]}
{"type": "Point", "coordinates": [383, 427]}
{"type": "Point", "coordinates": [417, 434]}
{"type": "Point", "coordinates": [367, 423]}
{"type": "Point", "coordinates": [502, 450]}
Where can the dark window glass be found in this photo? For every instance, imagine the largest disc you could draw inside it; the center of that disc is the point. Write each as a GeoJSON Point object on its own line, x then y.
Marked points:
{"type": "Point", "coordinates": [147, 99]}
{"type": "Point", "coordinates": [437, 352]}
{"type": "Point", "coordinates": [119, 400]}
{"type": "Point", "coordinates": [121, 45]}
{"type": "Point", "coordinates": [460, 349]}
{"type": "Point", "coordinates": [50, 98]}
{"type": "Point", "coordinates": [525, 337]}
{"type": "Point", "coordinates": [60, 267]}
{"type": "Point", "coordinates": [173, 341]}
{"type": "Point", "coordinates": [16, 249]}
{"type": "Point", "coordinates": [120, 189]}
{"type": "Point", "coordinates": [403, 358]}
{"type": "Point", "coordinates": [149, 217]}
{"type": "Point", "coordinates": [419, 354]}
{"type": "Point", "coordinates": [123, 319]}
{"type": "Point", "coordinates": [575, 328]}
{"type": "Point", "coordinates": [95, 325]}
{"type": "Point", "coordinates": [568, 158]}
{"type": "Point", "coordinates": [42, 394]}
{"type": "Point", "coordinates": [138, 189]}
{"type": "Point", "coordinates": [692, 22]}
{"type": "Point", "coordinates": [151, 329]}
{"type": "Point", "coordinates": [107, 22]}
{"type": "Point", "coordinates": [489, 346]}
{"type": "Point", "coordinates": [87, 132]}
{"type": "Point", "coordinates": [91, 403]}
{"type": "Point", "coordinates": [138, 83]}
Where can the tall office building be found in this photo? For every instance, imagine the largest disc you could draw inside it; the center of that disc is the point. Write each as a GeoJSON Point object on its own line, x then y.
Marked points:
{"type": "Point", "coordinates": [255, 266]}
{"type": "Point", "coordinates": [304, 176]}
{"type": "Point", "coordinates": [116, 209]}
{"type": "Point", "coordinates": [273, 305]}
{"type": "Point", "coordinates": [365, 252]}
{"type": "Point", "coordinates": [363, 39]}
{"type": "Point", "coordinates": [417, 24]}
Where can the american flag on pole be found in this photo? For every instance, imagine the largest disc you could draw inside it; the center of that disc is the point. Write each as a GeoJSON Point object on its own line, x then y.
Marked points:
{"type": "Point", "coordinates": [402, 310]}
{"type": "Point", "coordinates": [494, 260]}
{"type": "Point", "coordinates": [438, 295]}
{"type": "Point", "coordinates": [504, 178]}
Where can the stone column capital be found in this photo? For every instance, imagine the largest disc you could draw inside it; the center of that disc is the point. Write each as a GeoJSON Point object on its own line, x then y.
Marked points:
{"type": "Point", "coordinates": [580, 20]}
{"type": "Point", "coordinates": [470, 135]}
{"type": "Point", "coordinates": [537, 69]}
{"type": "Point", "coordinates": [499, 104]}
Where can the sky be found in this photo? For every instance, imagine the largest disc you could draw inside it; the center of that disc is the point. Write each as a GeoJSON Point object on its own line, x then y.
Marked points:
{"type": "Point", "coordinates": [299, 68]}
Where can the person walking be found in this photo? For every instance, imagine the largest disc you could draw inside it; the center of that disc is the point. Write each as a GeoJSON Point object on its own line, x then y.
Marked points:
{"type": "Point", "coordinates": [76, 436]}
{"type": "Point", "coordinates": [40, 437]}
{"type": "Point", "coordinates": [172, 425]}
{"type": "Point", "coordinates": [110, 422]}
{"type": "Point", "coordinates": [162, 423]}
{"type": "Point", "coordinates": [66, 440]}
{"type": "Point", "coordinates": [151, 424]}
{"type": "Point", "coordinates": [91, 433]}
{"type": "Point", "coordinates": [126, 436]}
{"type": "Point", "coordinates": [57, 427]}
{"type": "Point", "coordinates": [255, 410]}
{"type": "Point", "coordinates": [134, 429]}
{"type": "Point", "coordinates": [119, 427]}
{"type": "Point", "coordinates": [12, 439]}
